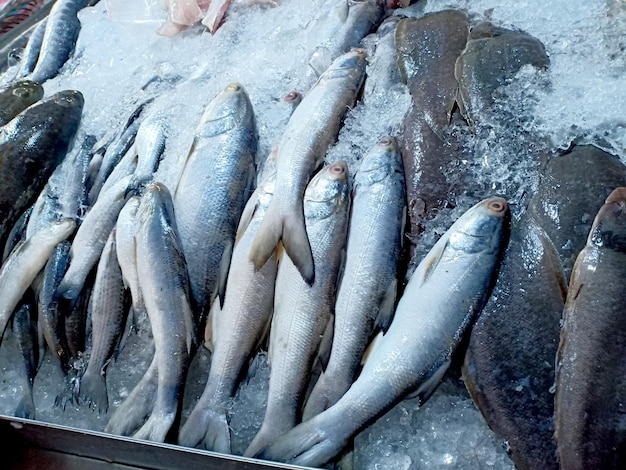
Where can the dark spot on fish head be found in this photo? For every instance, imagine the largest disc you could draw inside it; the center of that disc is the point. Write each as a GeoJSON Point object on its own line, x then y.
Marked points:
{"type": "Point", "coordinates": [497, 205]}
{"type": "Point", "coordinates": [235, 87]}
{"type": "Point", "coordinates": [293, 96]}
{"type": "Point", "coordinates": [70, 99]}
{"type": "Point", "coordinates": [28, 90]}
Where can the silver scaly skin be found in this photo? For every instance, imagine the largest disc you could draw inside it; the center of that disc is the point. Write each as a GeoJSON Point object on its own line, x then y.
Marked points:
{"type": "Point", "coordinates": [22, 266]}
{"type": "Point", "coordinates": [302, 312]}
{"type": "Point", "coordinates": [313, 127]}
{"type": "Point", "coordinates": [446, 291]}
{"type": "Point", "coordinates": [165, 286]}
{"type": "Point", "coordinates": [368, 287]}
{"type": "Point", "coordinates": [236, 329]}
{"type": "Point", "coordinates": [213, 189]}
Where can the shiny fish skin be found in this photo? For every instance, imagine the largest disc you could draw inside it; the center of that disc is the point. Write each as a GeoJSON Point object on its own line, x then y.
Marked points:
{"type": "Point", "coordinates": [450, 286]}
{"type": "Point", "coordinates": [212, 191]}
{"type": "Point", "coordinates": [16, 97]}
{"type": "Point", "coordinates": [91, 237]}
{"type": "Point", "coordinates": [369, 281]}
{"type": "Point", "coordinates": [590, 371]}
{"type": "Point", "coordinates": [382, 69]}
{"type": "Point", "coordinates": [51, 317]}
{"type": "Point", "coordinates": [59, 39]}
{"type": "Point", "coordinates": [302, 312]}
{"type": "Point", "coordinates": [108, 308]}
{"type": "Point", "coordinates": [237, 328]}
{"type": "Point", "coordinates": [313, 127]}
{"type": "Point", "coordinates": [32, 49]}
{"type": "Point", "coordinates": [165, 286]}
{"type": "Point", "coordinates": [40, 135]}
{"type": "Point", "coordinates": [509, 363]}
{"type": "Point", "coordinates": [126, 229]}
{"type": "Point", "coordinates": [25, 330]}
{"type": "Point", "coordinates": [20, 269]}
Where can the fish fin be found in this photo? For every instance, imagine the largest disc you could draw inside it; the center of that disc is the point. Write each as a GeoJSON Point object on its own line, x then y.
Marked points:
{"type": "Point", "coordinates": [128, 322]}
{"type": "Point", "coordinates": [386, 309]}
{"type": "Point", "coordinates": [222, 276]}
{"type": "Point", "coordinates": [272, 340]}
{"type": "Point", "coordinates": [296, 242]}
{"type": "Point", "coordinates": [41, 344]}
{"type": "Point", "coordinates": [371, 347]}
{"type": "Point", "coordinates": [430, 263]}
{"type": "Point", "coordinates": [267, 238]}
{"type": "Point", "coordinates": [280, 250]}
{"type": "Point", "coordinates": [247, 214]}
{"type": "Point", "coordinates": [428, 387]}
{"type": "Point", "coordinates": [217, 436]}
{"type": "Point", "coordinates": [93, 389]}
{"type": "Point", "coordinates": [320, 60]}
{"type": "Point", "coordinates": [26, 407]}
{"type": "Point", "coordinates": [552, 255]}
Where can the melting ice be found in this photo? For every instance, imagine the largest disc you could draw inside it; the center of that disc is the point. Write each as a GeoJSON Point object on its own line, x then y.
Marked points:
{"type": "Point", "coordinates": [120, 61]}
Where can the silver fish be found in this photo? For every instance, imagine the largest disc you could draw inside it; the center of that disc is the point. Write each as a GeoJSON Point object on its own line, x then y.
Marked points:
{"type": "Point", "coordinates": [313, 127]}
{"type": "Point", "coordinates": [211, 192]}
{"type": "Point", "coordinates": [165, 286]}
{"type": "Point", "coordinates": [236, 329]}
{"type": "Point", "coordinates": [302, 312]}
{"type": "Point", "coordinates": [32, 49]}
{"type": "Point", "coordinates": [367, 293]}
{"type": "Point", "coordinates": [445, 292]}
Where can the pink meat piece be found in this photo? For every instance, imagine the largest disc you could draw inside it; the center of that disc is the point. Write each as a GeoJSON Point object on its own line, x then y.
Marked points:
{"type": "Point", "coordinates": [215, 14]}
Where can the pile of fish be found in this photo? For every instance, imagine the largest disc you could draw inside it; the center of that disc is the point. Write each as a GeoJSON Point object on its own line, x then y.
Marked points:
{"type": "Point", "coordinates": [324, 263]}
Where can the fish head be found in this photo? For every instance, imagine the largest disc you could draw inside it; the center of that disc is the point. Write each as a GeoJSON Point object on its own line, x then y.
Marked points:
{"type": "Point", "coordinates": [380, 162]}
{"type": "Point", "coordinates": [28, 91]}
{"type": "Point", "coordinates": [609, 226]}
{"type": "Point", "coordinates": [481, 228]}
{"type": "Point", "coordinates": [65, 109]}
{"type": "Point", "coordinates": [156, 202]}
{"type": "Point", "coordinates": [351, 63]}
{"type": "Point", "coordinates": [327, 192]}
{"type": "Point", "coordinates": [229, 109]}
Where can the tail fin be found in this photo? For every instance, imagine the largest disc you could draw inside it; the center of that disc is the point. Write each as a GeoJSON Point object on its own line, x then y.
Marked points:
{"type": "Point", "coordinates": [326, 392]}
{"type": "Point", "coordinates": [26, 406]}
{"type": "Point", "coordinates": [289, 227]}
{"type": "Point", "coordinates": [207, 429]}
{"type": "Point", "coordinates": [93, 389]}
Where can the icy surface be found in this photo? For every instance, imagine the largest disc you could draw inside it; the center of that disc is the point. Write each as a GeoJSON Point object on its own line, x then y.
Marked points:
{"type": "Point", "coordinates": [120, 61]}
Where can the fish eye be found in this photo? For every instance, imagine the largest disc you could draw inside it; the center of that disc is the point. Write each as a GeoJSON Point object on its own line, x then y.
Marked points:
{"type": "Point", "coordinates": [338, 169]}
{"type": "Point", "coordinates": [234, 87]}
{"type": "Point", "coordinates": [292, 96]}
{"type": "Point", "coordinates": [359, 51]}
{"type": "Point", "coordinates": [386, 141]}
{"type": "Point", "coordinates": [497, 205]}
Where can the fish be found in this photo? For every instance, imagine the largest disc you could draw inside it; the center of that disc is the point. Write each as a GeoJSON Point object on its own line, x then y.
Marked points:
{"type": "Point", "coordinates": [51, 318]}
{"type": "Point", "coordinates": [382, 69]}
{"type": "Point", "coordinates": [91, 237]}
{"type": "Point", "coordinates": [428, 48]}
{"type": "Point", "coordinates": [32, 49]}
{"type": "Point", "coordinates": [150, 144]}
{"type": "Point", "coordinates": [367, 293]}
{"type": "Point", "coordinates": [312, 128]}
{"type": "Point", "coordinates": [108, 307]}
{"type": "Point", "coordinates": [164, 283]}
{"type": "Point", "coordinates": [59, 39]}
{"type": "Point", "coordinates": [572, 189]}
{"type": "Point", "coordinates": [216, 180]}
{"type": "Point", "coordinates": [17, 233]}
{"type": "Point", "coordinates": [25, 330]}
{"type": "Point", "coordinates": [509, 362]}
{"type": "Point", "coordinates": [590, 369]}
{"type": "Point", "coordinates": [490, 60]}
{"type": "Point", "coordinates": [302, 312]}
{"type": "Point", "coordinates": [237, 328]}
{"type": "Point", "coordinates": [24, 263]}
{"type": "Point", "coordinates": [444, 294]}
{"type": "Point", "coordinates": [126, 228]}
{"type": "Point", "coordinates": [40, 137]}
{"type": "Point", "coordinates": [16, 97]}
{"type": "Point", "coordinates": [338, 27]}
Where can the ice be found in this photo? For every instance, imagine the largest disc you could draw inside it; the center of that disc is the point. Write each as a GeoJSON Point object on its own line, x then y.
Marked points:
{"type": "Point", "coordinates": [120, 61]}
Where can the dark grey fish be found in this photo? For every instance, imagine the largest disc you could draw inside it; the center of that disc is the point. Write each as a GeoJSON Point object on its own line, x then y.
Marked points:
{"type": "Point", "coordinates": [108, 306]}
{"type": "Point", "coordinates": [59, 39]}
{"type": "Point", "coordinates": [590, 401]}
{"type": "Point", "coordinates": [428, 48]}
{"type": "Point", "coordinates": [51, 318]}
{"type": "Point", "coordinates": [572, 189]}
{"type": "Point", "coordinates": [16, 97]}
{"type": "Point", "coordinates": [509, 363]}
{"type": "Point", "coordinates": [31, 147]}
{"type": "Point", "coordinates": [32, 49]}
{"type": "Point", "coordinates": [492, 57]}
{"type": "Point", "coordinates": [25, 330]}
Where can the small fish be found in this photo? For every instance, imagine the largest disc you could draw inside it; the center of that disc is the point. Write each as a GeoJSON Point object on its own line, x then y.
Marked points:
{"type": "Point", "coordinates": [313, 127]}
{"type": "Point", "coordinates": [445, 292]}
{"type": "Point", "coordinates": [590, 369]}
{"type": "Point", "coordinates": [302, 312]}
{"type": "Point", "coordinates": [32, 49]}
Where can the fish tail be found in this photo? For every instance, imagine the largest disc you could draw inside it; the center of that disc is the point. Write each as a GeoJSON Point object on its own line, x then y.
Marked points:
{"type": "Point", "coordinates": [263, 438]}
{"type": "Point", "coordinates": [207, 429]}
{"type": "Point", "coordinates": [297, 246]}
{"type": "Point", "coordinates": [269, 234]}
{"type": "Point", "coordinates": [93, 389]}
{"type": "Point", "coordinates": [26, 407]}
{"type": "Point", "coordinates": [156, 428]}
{"type": "Point", "coordinates": [326, 392]}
